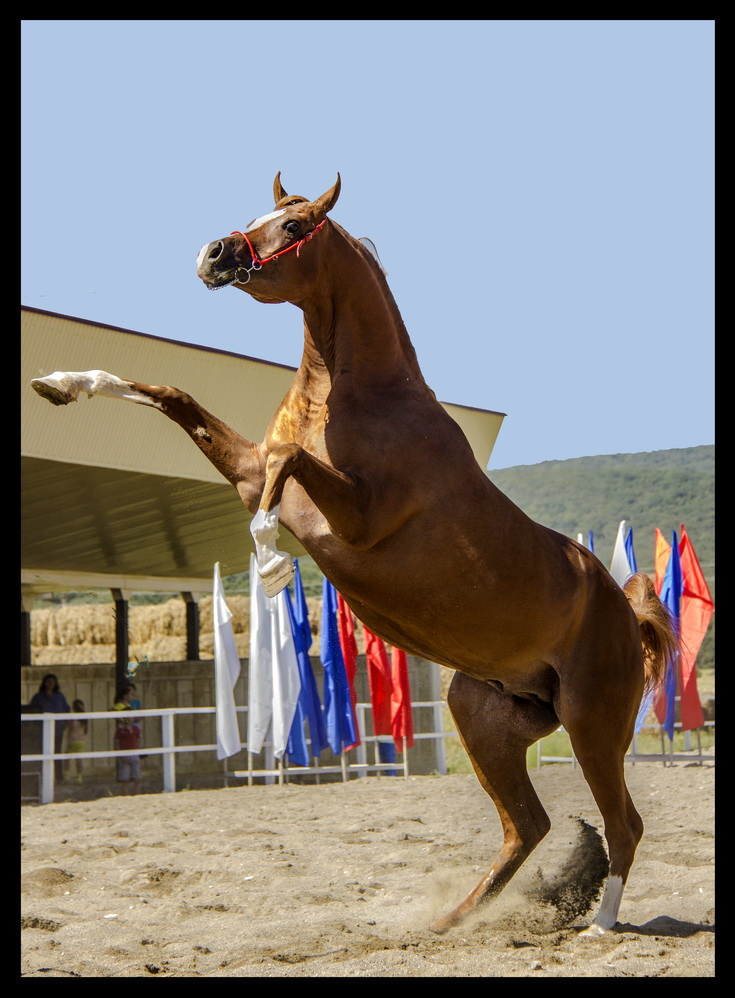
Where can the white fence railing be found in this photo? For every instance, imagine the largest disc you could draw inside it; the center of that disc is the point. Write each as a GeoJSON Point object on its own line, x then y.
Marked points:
{"type": "Point", "coordinates": [633, 755]}
{"type": "Point", "coordinates": [273, 770]}
{"type": "Point", "coordinates": [278, 770]}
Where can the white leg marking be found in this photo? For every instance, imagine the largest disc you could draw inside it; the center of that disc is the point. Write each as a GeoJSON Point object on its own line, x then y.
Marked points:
{"type": "Point", "coordinates": [274, 567]}
{"type": "Point", "coordinates": [63, 387]}
{"type": "Point", "coordinates": [607, 916]}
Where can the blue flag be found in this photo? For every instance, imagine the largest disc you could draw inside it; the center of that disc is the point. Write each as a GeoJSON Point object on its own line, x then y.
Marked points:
{"type": "Point", "coordinates": [670, 595]}
{"type": "Point", "coordinates": [671, 591]}
{"type": "Point", "coordinates": [630, 553]}
{"type": "Point", "coordinates": [340, 720]}
{"type": "Point", "coordinates": [309, 706]}
{"type": "Point", "coordinates": [591, 541]}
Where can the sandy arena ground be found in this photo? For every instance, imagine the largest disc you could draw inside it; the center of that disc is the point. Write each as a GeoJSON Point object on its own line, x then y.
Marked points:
{"type": "Point", "coordinates": [343, 880]}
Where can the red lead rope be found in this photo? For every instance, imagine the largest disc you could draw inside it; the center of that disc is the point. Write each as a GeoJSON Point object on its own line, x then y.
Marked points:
{"type": "Point", "coordinates": [297, 246]}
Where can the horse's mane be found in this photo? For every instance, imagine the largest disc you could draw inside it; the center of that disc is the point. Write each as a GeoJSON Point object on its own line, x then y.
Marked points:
{"type": "Point", "coordinates": [378, 272]}
{"type": "Point", "coordinates": [373, 250]}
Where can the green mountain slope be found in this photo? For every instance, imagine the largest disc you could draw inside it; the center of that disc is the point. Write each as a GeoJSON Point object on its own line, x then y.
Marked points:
{"type": "Point", "coordinates": [658, 489]}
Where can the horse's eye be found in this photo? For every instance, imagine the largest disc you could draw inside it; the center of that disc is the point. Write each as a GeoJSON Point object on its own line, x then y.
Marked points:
{"type": "Point", "coordinates": [292, 227]}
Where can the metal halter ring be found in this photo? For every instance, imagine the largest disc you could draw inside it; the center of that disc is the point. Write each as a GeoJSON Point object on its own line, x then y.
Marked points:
{"type": "Point", "coordinates": [257, 265]}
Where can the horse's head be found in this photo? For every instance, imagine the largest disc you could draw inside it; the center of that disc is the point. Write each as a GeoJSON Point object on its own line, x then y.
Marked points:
{"type": "Point", "coordinates": [270, 259]}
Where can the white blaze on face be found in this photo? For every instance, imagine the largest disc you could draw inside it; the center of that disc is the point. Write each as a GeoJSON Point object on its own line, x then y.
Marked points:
{"type": "Point", "coordinates": [253, 225]}
{"type": "Point", "coordinates": [265, 218]}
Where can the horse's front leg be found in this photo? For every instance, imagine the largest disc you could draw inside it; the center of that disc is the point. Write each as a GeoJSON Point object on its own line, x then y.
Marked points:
{"type": "Point", "coordinates": [341, 499]}
{"type": "Point", "coordinates": [239, 460]}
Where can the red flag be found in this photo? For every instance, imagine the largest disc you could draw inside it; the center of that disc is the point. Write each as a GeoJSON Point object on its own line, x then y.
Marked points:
{"type": "Point", "coordinates": [697, 608]}
{"type": "Point", "coordinates": [348, 644]}
{"type": "Point", "coordinates": [381, 684]}
{"type": "Point", "coordinates": [400, 708]}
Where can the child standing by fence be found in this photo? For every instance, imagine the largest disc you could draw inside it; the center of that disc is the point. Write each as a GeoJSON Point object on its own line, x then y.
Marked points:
{"type": "Point", "coordinates": [127, 737]}
{"type": "Point", "coordinates": [76, 734]}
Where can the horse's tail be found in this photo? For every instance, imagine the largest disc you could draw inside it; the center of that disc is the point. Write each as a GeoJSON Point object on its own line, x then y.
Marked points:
{"type": "Point", "coordinates": [658, 634]}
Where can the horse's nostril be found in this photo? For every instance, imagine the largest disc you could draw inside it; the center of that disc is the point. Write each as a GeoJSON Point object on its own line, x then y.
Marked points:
{"type": "Point", "coordinates": [209, 253]}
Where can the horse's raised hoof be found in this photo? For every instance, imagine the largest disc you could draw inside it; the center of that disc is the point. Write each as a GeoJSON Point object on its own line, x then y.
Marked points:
{"type": "Point", "coordinates": [58, 391]}
{"type": "Point", "coordinates": [275, 567]}
{"type": "Point", "coordinates": [276, 580]}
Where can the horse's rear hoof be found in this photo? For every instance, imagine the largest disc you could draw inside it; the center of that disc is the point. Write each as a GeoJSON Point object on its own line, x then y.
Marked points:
{"type": "Point", "coordinates": [52, 390]}
{"type": "Point", "coordinates": [593, 931]}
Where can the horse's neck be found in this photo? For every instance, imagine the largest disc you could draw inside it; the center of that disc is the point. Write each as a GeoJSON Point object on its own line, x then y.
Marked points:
{"type": "Point", "coordinates": [353, 329]}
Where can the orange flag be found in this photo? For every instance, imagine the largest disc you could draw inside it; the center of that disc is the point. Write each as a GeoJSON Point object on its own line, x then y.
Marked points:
{"type": "Point", "coordinates": [697, 608]}
{"type": "Point", "coordinates": [660, 560]}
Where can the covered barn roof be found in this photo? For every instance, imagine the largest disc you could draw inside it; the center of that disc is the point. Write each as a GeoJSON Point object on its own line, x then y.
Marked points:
{"type": "Point", "coordinates": [112, 495]}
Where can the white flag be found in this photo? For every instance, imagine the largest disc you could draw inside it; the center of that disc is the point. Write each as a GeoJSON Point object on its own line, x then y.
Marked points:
{"type": "Point", "coordinates": [274, 683]}
{"type": "Point", "coordinates": [227, 671]}
{"type": "Point", "coordinates": [620, 566]}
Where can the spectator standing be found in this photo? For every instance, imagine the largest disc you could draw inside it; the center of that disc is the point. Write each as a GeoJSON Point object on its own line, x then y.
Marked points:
{"type": "Point", "coordinates": [50, 700]}
{"type": "Point", "coordinates": [127, 737]}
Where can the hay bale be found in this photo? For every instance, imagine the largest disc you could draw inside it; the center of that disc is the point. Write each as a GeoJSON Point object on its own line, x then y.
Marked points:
{"type": "Point", "coordinates": [39, 627]}
{"type": "Point", "coordinates": [157, 620]}
{"type": "Point", "coordinates": [52, 655]}
{"type": "Point", "coordinates": [160, 648]}
{"type": "Point", "coordinates": [85, 634]}
{"type": "Point", "coordinates": [239, 607]}
{"type": "Point", "coordinates": [91, 624]}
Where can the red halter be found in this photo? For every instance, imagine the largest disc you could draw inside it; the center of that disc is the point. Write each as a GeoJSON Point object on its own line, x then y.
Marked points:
{"type": "Point", "coordinates": [257, 263]}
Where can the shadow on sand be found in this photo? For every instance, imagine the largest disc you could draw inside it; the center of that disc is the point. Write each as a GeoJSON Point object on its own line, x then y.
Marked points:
{"type": "Point", "coordinates": [664, 925]}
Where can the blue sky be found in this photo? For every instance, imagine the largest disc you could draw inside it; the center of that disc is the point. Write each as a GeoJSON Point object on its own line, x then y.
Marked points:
{"type": "Point", "coordinates": [540, 193]}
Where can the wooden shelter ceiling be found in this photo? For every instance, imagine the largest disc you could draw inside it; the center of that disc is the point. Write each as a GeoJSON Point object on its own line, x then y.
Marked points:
{"type": "Point", "coordinates": [113, 496]}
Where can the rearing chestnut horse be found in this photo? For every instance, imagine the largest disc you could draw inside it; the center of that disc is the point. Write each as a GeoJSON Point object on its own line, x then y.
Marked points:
{"type": "Point", "coordinates": [365, 467]}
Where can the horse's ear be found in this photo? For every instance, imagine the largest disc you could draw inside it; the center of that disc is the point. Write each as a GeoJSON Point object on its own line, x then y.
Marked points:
{"type": "Point", "coordinates": [327, 201]}
{"type": "Point", "coordinates": [278, 191]}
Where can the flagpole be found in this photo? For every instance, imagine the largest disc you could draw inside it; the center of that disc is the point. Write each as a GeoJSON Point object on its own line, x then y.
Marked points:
{"type": "Point", "coordinates": [361, 748]}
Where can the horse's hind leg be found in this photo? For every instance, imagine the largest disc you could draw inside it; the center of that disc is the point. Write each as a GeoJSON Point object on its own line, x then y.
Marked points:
{"type": "Point", "coordinates": [496, 730]}
{"type": "Point", "coordinates": [600, 737]}
{"type": "Point", "coordinates": [238, 459]}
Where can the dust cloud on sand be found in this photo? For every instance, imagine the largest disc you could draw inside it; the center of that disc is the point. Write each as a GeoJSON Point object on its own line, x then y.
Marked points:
{"type": "Point", "coordinates": [343, 880]}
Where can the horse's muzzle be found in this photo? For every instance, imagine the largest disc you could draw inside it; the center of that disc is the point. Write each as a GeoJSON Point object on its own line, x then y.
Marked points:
{"type": "Point", "coordinates": [217, 265]}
